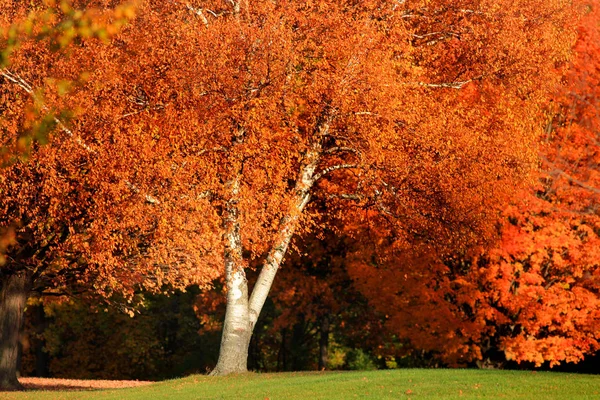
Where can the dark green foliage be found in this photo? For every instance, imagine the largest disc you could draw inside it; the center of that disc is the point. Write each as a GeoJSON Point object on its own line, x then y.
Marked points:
{"type": "Point", "coordinates": [359, 360]}
{"type": "Point", "coordinates": [162, 341]}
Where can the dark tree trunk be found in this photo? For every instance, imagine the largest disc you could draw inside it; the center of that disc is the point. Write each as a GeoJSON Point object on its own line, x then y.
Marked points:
{"type": "Point", "coordinates": [300, 359]}
{"type": "Point", "coordinates": [324, 343]}
{"type": "Point", "coordinates": [40, 323]}
{"type": "Point", "coordinates": [281, 355]}
{"type": "Point", "coordinates": [256, 360]}
{"type": "Point", "coordinates": [13, 296]}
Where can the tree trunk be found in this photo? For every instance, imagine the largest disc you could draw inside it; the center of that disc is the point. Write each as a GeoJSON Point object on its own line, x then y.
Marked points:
{"type": "Point", "coordinates": [39, 324]}
{"type": "Point", "coordinates": [233, 354]}
{"type": "Point", "coordinates": [243, 309]}
{"type": "Point", "coordinates": [235, 340]}
{"type": "Point", "coordinates": [324, 343]}
{"type": "Point", "coordinates": [13, 296]}
{"type": "Point", "coordinates": [282, 355]}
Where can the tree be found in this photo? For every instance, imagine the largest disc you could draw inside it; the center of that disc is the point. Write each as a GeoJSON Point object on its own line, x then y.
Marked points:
{"type": "Point", "coordinates": [550, 248]}
{"type": "Point", "coordinates": [534, 296]}
{"type": "Point", "coordinates": [232, 116]}
{"type": "Point", "coordinates": [70, 228]}
{"type": "Point", "coordinates": [85, 338]}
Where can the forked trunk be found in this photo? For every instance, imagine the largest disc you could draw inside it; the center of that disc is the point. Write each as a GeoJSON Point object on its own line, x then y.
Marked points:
{"type": "Point", "coordinates": [243, 309]}
{"type": "Point", "coordinates": [13, 296]}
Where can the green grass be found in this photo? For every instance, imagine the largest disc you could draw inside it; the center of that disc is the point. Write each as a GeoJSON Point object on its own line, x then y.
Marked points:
{"type": "Point", "coordinates": [391, 384]}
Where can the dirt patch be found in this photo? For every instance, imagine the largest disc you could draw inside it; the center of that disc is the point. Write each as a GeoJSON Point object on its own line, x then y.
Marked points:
{"type": "Point", "coordinates": [77, 384]}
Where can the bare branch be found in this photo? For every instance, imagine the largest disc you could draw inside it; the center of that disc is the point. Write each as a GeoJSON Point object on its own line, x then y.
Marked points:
{"type": "Point", "coordinates": [198, 12]}
{"type": "Point", "coordinates": [333, 168]}
{"type": "Point", "coordinates": [559, 172]}
{"type": "Point", "coordinates": [16, 79]}
{"type": "Point", "coordinates": [206, 194]}
{"type": "Point", "coordinates": [214, 14]}
{"type": "Point", "coordinates": [441, 34]}
{"type": "Point", "coordinates": [448, 85]}
{"type": "Point", "coordinates": [391, 188]}
{"type": "Point", "coordinates": [130, 114]}
{"type": "Point", "coordinates": [150, 199]}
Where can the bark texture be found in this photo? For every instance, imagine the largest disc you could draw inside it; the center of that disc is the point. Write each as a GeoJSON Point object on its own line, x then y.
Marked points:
{"type": "Point", "coordinates": [13, 296]}
{"type": "Point", "coordinates": [235, 340]}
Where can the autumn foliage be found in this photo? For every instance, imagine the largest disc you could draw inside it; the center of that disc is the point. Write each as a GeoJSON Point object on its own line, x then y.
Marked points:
{"type": "Point", "coordinates": [204, 137]}
{"type": "Point", "coordinates": [534, 296]}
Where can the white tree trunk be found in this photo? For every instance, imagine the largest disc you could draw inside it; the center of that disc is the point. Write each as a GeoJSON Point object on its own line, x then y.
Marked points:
{"type": "Point", "coordinates": [233, 354]}
{"type": "Point", "coordinates": [242, 313]}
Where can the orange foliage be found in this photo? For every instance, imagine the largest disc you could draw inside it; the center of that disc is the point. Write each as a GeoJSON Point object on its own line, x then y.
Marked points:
{"type": "Point", "coordinates": [534, 297]}
{"type": "Point", "coordinates": [78, 223]}
{"type": "Point", "coordinates": [201, 132]}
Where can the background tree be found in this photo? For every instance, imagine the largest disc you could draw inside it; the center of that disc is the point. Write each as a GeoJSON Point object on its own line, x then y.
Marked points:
{"type": "Point", "coordinates": [315, 310]}
{"type": "Point", "coordinates": [87, 339]}
{"type": "Point", "coordinates": [533, 298]}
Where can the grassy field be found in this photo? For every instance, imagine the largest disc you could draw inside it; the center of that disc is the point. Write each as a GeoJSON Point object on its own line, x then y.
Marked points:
{"type": "Point", "coordinates": [392, 384]}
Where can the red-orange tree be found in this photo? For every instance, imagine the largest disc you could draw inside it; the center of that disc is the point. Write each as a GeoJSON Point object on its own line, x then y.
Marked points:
{"type": "Point", "coordinates": [229, 117]}
{"type": "Point", "coordinates": [547, 280]}
{"type": "Point", "coordinates": [535, 296]}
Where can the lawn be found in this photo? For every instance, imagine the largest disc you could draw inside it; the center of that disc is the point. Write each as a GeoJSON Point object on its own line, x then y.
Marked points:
{"type": "Point", "coordinates": [390, 384]}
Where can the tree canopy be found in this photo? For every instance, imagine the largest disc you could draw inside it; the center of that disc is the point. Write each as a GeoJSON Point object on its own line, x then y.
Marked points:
{"type": "Point", "coordinates": [204, 137]}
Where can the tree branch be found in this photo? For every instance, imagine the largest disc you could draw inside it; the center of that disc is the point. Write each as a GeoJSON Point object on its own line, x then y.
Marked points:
{"type": "Point", "coordinates": [572, 179]}
{"type": "Point", "coordinates": [560, 172]}
{"type": "Point", "coordinates": [448, 85]}
{"type": "Point", "coordinates": [331, 169]}
{"type": "Point", "coordinates": [198, 12]}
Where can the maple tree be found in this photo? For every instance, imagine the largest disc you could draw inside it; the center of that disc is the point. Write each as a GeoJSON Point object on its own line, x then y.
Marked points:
{"type": "Point", "coordinates": [534, 296]}
{"type": "Point", "coordinates": [203, 132]}
{"type": "Point", "coordinates": [550, 250]}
